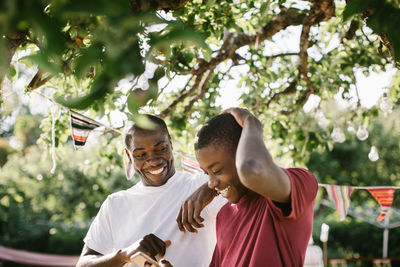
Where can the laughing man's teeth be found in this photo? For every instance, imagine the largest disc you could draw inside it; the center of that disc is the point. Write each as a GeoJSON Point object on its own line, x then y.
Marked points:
{"type": "Point", "coordinates": [158, 171]}
{"type": "Point", "coordinates": [225, 190]}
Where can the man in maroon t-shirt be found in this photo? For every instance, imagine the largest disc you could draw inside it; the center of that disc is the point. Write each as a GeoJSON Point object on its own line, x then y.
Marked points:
{"type": "Point", "coordinates": [268, 221]}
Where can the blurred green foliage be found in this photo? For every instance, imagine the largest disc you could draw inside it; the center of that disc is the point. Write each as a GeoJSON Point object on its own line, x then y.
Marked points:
{"type": "Point", "coordinates": [84, 48]}
{"type": "Point", "coordinates": [348, 164]}
{"type": "Point", "coordinates": [45, 212]}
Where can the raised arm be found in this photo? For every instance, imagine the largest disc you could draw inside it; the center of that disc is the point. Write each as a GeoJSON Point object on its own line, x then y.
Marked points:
{"type": "Point", "coordinates": [150, 244]}
{"type": "Point", "coordinates": [256, 168]}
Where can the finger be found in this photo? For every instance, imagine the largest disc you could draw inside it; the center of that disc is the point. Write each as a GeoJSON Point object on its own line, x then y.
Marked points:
{"type": "Point", "coordinates": [228, 110]}
{"type": "Point", "coordinates": [147, 245]}
{"type": "Point", "coordinates": [166, 244]}
{"type": "Point", "coordinates": [179, 221]}
{"type": "Point", "coordinates": [148, 249]}
{"type": "Point", "coordinates": [191, 220]}
{"type": "Point", "coordinates": [158, 245]}
{"type": "Point", "coordinates": [197, 216]}
{"type": "Point", "coordinates": [165, 263]}
{"type": "Point", "coordinates": [185, 220]}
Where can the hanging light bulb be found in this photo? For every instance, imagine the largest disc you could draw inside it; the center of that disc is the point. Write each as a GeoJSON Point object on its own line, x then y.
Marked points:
{"type": "Point", "coordinates": [373, 154]}
{"type": "Point", "coordinates": [362, 133]}
{"type": "Point", "coordinates": [337, 135]}
{"type": "Point", "coordinates": [350, 128]}
{"type": "Point", "coordinates": [386, 105]}
{"type": "Point", "coordinates": [322, 120]}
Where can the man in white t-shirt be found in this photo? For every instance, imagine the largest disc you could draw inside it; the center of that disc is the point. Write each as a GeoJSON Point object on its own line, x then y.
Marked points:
{"type": "Point", "coordinates": [143, 218]}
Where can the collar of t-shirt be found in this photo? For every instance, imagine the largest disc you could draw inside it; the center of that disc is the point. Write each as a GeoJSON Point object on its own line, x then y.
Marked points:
{"type": "Point", "coordinates": [251, 195]}
{"type": "Point", "coordinates": [153, 189]}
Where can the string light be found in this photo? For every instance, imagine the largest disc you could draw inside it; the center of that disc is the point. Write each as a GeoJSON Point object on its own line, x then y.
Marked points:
{"type": "Point", "coordinates": [350, 128]}
{"type": "Point", "coordinates": [386, 105]}
{"type": "Point", "coordinates": [362, 133]}
{"type": "Point", "coordinates": [337, 135]}
{"type": "Point", "coordinates": [373, 154]}
{"type": "Point", "coordinates": [322, 120]}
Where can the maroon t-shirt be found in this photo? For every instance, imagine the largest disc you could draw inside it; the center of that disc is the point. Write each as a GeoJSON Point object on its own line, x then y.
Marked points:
{"type": "Point", "coordinates": [259, 232]}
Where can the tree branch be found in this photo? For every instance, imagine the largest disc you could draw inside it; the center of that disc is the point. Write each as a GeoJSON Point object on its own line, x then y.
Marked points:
{"type": "Point", "coordinates": [320, 11]}
{"type": "Point", "coordinates": [12, 44]}
{"type": "Point", "coordinates": [183, 94]}
{"type": "Point", "coordinates": [291, 89]}
{"type": "Point", "coordinates": [286, 18]}
{"type": "Point", "coordinates": [142, 5]}
{"type": "Point", "coordinates": [37, 81]}
{"type": "Point", "coordinates": [384, 40]}
{"type": "Point", "coordinates": [203, 89]}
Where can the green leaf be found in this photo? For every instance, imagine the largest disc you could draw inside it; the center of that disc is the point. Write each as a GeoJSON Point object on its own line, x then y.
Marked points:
{"type": "Point", "coordinates": [101, 86]}
{"type": "Point", "coordinates": [50, 27]}
{"type": "Point", "coordinates": [207, 54]}
{"type": "Point", "coordinates": [180, 36]}
{"type": "Point", "coordinates": [136, 99]}
{"type": "Point", "coordinates": [148, 18]}
{"type": "Point", "coordinates": [12, 73]}
{"type": "Point", "coordinates": [355, 7]}
{"type": "Point", "coordinates": [88, 57]}
{"type": "Point", "coordinates": [43, 63]}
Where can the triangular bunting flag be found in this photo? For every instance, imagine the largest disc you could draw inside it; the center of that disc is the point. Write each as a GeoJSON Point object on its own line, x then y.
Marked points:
{"type": "Point", "coordinates": [190, 164]}
{"type": "Point", "coordinates": [80, 128]}
{"type": "Point", "coordinates": [341, 196]}
{"type": "Point", "coordinates": [384, 196]}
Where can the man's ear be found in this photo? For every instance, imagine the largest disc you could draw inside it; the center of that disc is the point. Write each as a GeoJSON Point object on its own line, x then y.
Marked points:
{"type": "Point", "coordinates": [128, 163]}
{"type": "Point", "coordinates": [170, 141]}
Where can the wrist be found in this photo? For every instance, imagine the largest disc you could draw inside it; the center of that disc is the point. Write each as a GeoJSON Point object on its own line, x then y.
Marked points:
{"type": "Point", "coordinates": [252, 121]}
{"type": "Point", "coordinates": [121, 257]}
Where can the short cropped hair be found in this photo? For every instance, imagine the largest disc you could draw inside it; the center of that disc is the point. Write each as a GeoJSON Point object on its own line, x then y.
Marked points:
{"type": "Point", "coordinates": [160, 123]}
{"type": "Point", "coordinates": [219, 130]}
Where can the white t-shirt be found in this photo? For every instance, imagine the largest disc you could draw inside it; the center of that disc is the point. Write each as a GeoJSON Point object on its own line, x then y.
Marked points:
{"type": "Point", "coordinates": [127, 216]}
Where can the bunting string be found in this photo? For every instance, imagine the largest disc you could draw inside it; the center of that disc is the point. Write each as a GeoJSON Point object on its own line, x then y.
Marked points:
{"type": "Point", "coordinates": [86, 118]}
{"type": "Point", "coordinates": [339, 194]}
{"type": "Point", "coordinates": [366, 187]}
{"type": "Point", "coordinates": [82, 125]}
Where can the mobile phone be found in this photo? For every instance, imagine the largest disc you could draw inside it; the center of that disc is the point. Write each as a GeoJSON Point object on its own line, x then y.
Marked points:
{"type": "Point", "coordinates": [140, 259]}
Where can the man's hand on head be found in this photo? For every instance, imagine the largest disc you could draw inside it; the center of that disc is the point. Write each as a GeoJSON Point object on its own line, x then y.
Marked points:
{"type": "Point", "coordinates": [239, 114]}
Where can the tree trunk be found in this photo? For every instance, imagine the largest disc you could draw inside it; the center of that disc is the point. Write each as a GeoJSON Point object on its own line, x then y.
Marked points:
{"type": "Point", "coordinates": [12, 44]}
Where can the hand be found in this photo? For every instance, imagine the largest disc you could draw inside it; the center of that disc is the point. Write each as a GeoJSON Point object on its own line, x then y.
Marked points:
{"type": "Point", "coordinates": [240, 114]}
{"type": "Point", "coordinates": [189, 214]}
{"type": "Point", "coordinates": [165, 263]}
{"type": "Point", "coordinates": [150, 245]}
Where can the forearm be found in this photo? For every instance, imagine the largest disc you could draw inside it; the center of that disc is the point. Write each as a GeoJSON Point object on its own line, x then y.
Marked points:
{"type": "Point", "coordinates": [256, 168]}
{"type": "Point", "coordinates": [113, 259]}
{"type": "Point", "coordinates": [251, 153]}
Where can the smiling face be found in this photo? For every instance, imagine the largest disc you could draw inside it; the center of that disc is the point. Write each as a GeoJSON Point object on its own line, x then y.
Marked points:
{"type": "Point", "coordinates": [218, 162]}
{"type": "Point", "coordinates": [152, 156]}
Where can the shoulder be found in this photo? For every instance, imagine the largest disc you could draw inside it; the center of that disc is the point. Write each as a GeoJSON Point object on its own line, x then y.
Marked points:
{"type": "Point", "coordinates": [301, 177]}
{"type": "Point", "coordinates": [120, 195]}
{"type": "Point", "coordinates": [192, 178]}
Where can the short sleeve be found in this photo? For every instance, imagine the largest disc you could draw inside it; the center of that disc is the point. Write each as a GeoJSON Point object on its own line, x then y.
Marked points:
{"type": "Point", "coordinates": [304, 187]}
{"type": "Point", "coordinates": [99, 235]}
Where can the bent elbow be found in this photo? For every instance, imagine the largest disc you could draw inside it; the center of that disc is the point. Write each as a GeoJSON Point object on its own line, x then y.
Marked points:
{"type": "Point", "coordinates": [249, 170]}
